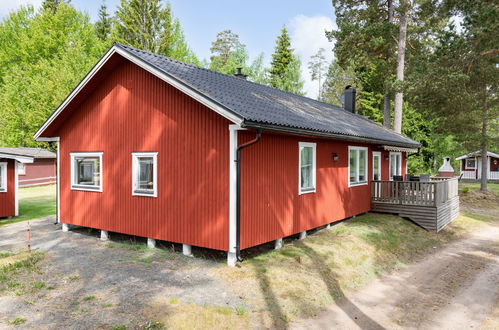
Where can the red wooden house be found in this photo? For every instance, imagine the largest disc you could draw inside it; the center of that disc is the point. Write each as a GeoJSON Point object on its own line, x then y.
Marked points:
{"type": "Point", "coordinates": [9, 182]}
{"type": "Point", "coordinates": [38, 173]}
{"type": "Point", "coordinates": [153, 147]}
{"type": "Point", "coordinates": [471, 165]}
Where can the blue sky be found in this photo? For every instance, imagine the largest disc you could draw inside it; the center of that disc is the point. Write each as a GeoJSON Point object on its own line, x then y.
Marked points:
{"type": "Point", "coordinates": [258, 23]}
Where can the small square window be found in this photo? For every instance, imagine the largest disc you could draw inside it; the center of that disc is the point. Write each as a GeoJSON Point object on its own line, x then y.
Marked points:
{"type": "Point", "coordinates": [471, 163]}
{"type": "Point", "coordinates": [3, 177]}
{"type": "Point", "coordinates": [144, 174]}
{"type": "Point", "coordinates": [86, 171]}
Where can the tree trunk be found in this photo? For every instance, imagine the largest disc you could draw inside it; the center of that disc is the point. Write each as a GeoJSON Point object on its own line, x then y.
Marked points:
{"type": "Point", "coordinates": [485, 160]}
{"type": "Point", "coordinates": [387, 120]}
{"type": "Point", "coordinates": [399, 95]}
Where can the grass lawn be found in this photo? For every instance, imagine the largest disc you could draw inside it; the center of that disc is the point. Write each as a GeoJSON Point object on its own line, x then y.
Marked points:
{"type": "Point", "coordinates": [304, 277]}
{"type": "Point", "coordinates": [34, 203]}
{"type": "Point", "coordinates": [491, 187]}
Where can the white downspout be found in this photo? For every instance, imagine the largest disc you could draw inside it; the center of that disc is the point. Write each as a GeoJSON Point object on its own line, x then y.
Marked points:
{"type": "Point", "coordinates": [231, 254]}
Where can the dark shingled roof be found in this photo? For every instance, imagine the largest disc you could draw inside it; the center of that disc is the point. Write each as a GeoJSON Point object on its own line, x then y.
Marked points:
{"type": "Point", "coordinates": [30, 152]}
{"type": "Point", "coordinates": [262, 106]}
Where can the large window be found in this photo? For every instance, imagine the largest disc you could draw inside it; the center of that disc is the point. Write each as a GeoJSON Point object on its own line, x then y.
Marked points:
{"type": "Point", "coordinates": [3, 177]}
{"type": "Point", "coordinates": [145, 174]}
{"type": "Point", "coordinates": [395, 164]}
{"type": "Point", "coordinates": [357, 166]}
{"type": "Point", "coordinates": [376, 165]}
{"type": "Point", "coordinates": [470, 163]}
{"type": "Point", "coordinates": [307, 167]}
{"type": "Point", "coordinates": [86, 171]}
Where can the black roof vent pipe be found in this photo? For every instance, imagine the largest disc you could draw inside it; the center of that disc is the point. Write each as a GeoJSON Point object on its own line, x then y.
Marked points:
{"type": "Point", "coordinates": [348, 99]}
{"type": "Point", "coordinates": [240, 74]}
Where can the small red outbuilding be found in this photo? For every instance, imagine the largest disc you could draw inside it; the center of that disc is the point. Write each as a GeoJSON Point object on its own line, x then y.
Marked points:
{"type": "Point", "coordinates": [42, 171]}
{"type": "Point", "coordinates": [9, 183]}
{"type": "Point", "coordinates": [153, 147]}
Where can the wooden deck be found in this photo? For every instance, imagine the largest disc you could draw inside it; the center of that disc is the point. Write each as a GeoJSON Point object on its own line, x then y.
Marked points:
{"type": "Point", "coordinates": [432, 205]}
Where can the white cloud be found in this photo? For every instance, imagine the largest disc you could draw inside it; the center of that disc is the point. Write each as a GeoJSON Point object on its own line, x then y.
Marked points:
{"type": "Point", "coordinates": [307, 36]}
{"type": "Point", "coordinates": [7, 6]}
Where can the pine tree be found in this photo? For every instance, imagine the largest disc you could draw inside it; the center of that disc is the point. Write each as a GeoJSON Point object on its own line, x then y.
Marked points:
{"type": "Point", "coordinates": [228, 53]}
{"type": "Point", "coordinates": [317, 67]}
{"type": "Point", "coordinates": [285, 72]}
{"type": "Point", "coordinates": [103, 24]}
{"type": "Point", "coordinates": [281, 59]}
{"type": "Point", "coordinates": [53, 5]}
{"type": "Point", "coordinates": [148, 25]}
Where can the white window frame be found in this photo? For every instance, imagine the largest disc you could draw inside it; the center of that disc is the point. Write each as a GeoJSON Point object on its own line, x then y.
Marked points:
{"type": "Point", "coordinates": [75, 186]}
{"type": "Point", "coordinates": [355, 184]}
{"type": "Point", "coordinates": [314, 166]}
{"type": "Point", "coordinates": [4, 184]}
{"type": "Point", "coordinates": [378, 154]}
{"type": "Point", "coordinates": [135, 172]}
{"type": "Point", "coordinates": [466, 164]}
{"type": "Point", "coordinates": [390, 164]}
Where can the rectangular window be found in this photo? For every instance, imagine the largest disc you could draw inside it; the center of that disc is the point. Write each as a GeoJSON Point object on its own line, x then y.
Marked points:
{"type": "Point", "coordinates": [3, 177]}
{"type": "Point", "coordinates": [357, 166]}
{"type": "Point", "coordinates": [376, 165]}
{"type": "Point", "coordinates": [395, 164]}
{"type": "Point", "coordinates": [307, 167]}
{"type": "Point", "coordinates": [144, 174]}
{"type": "Point", "coordinates": [470, 163]}
{"type": "Point", "coordinates": [86, 171]}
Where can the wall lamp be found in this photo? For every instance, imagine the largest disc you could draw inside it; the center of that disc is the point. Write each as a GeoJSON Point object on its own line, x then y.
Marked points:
{"type": "Point", "coordinates": [335, 156]}
{"type": "Point", "coordinates": [387, 157]}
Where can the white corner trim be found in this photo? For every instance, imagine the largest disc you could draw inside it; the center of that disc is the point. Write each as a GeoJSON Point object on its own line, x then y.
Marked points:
{"type": "Point", "coordinates": [58, 181]}
{"type": "Point", "coordinates": [101, 170]}
{"type": "Point", "coordinates": [4, 183]}
{"type": "Point", "coordinates": [135, 173]}
{"type": "Point", "coordinates": [16, 189]}
{"type": "Point", "coordinates": [233, 144]}
{"type": "Point", "coordinates": [362, 183]}
{"type": "Point", "coordinates": [314, 167]}
{"type": "Point", "coordinates": [161, 75]}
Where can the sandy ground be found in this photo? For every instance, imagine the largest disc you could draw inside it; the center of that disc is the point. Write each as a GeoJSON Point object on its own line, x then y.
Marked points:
{"type": "Point", "coordinates": [455, 288]}
{"type": "Point", "coordinates": [123, 282]}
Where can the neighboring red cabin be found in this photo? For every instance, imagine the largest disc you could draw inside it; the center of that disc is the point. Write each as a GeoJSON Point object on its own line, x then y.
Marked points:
{"type": "Point", "coordinates": [471, 166]}
{"type": "Point", "coordinates": [146, 149]}
{"type": "Point", "coordinates": [9, 192]}
{"type": "Point", "coordinates": [41, 172]}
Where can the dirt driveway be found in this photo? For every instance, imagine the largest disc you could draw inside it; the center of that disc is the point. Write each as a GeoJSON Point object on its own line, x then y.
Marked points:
{"type": "Point", "coordinates": [455, 288]}
{"type": "Point", "coordinates": [91, 284]}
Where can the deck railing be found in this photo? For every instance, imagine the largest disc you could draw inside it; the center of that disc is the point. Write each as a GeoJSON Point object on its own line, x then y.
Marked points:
{"type": "Point", "coordinates": [432, 193]}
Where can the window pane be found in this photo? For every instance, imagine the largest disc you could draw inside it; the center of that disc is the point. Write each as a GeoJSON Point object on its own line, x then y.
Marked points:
{"type": "Point", "coordinates": [353, 166]}
{"type": "Point", "coordinates": [376, 167]}
{"type": "Point", "coordinates": [306, 168]}
{"type": "Point", "coordinates": [87, 171]}
{"type": "Point", "coordinates": [362, 165]}
{"type": "Point", "coordinates": [2, 178]}
{"type": "Point", "coordinates": [146, 176]}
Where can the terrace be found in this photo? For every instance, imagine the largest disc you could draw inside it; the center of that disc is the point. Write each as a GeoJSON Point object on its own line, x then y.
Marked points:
{"type": "Point", "coordinates": [432, 204]}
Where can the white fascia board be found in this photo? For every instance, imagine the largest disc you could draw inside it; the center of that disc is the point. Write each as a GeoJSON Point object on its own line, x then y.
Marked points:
{"type": "Point", "coordinates": [167, 78]}
{"type": "Point", "coordinates": [21, 159]}
{"type": "Point", "coordinates": [48, 139]}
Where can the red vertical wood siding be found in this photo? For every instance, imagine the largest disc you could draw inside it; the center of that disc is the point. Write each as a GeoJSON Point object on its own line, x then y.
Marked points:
{"type": "Point", "coordinates": [270, 204]}
{"type": "Point", "coordinates": [41, 171]}
{"type": "Point", "coordinates": [133, 111]}
{"type": "Point", "coordinates": [8, 199]}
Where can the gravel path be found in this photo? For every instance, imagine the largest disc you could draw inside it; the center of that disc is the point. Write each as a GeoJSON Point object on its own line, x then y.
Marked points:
{"type": "Point", "coordinates": [123, 282]}
{"type": "Point", "coordinates": [455, 288]}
